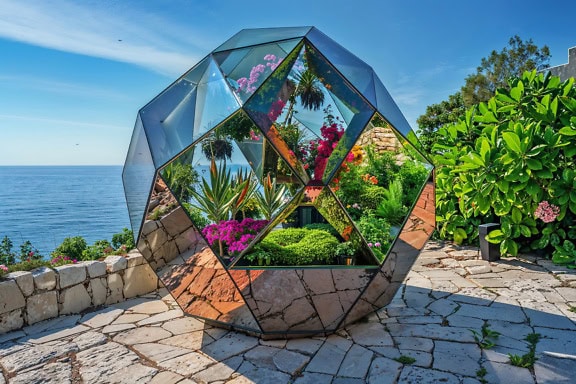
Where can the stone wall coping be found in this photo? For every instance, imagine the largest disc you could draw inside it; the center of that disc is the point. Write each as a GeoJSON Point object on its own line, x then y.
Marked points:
{"type": "Point", "coordinates": [28, 297]}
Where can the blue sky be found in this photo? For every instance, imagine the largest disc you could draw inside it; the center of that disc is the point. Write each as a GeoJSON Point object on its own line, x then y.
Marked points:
{"type": "Point", "coordinates": [73, 74]}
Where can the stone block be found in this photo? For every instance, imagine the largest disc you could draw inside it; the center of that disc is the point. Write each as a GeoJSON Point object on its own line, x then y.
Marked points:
{"type": "Point", "coordinates": [74, 299]}
{"type": "Point", "coordinates": [139, 280]}
{"type": "Point", "coordinates": [172, 222]}
{"type": "Point", "coordinates": [115, 287]}
{"type": "Point", "coordinates": [115, 263]}
{"type": "Point", "coordinates": [134, 258]}
{"type": "Point", "coordinates": [44, 278]}
{"type": "Point", "coordinates": [98, 288]}
{"type": "Point", "coordinates": [24, 280]}
{"type": "Point", "coordinates": [149, 226]}
{"type": "Point", "coordinates": [156, 239]}
{"type": "Point", "coordinates": [10, 321]}
{"type": "Point", "coordinates": [71, 274]}
{"type": "Point", "coordinates": [11, 297]}
{"type": "Point", "coordinates": [95, 268]}
{"type": "Point", "coordinates": [41, 307]}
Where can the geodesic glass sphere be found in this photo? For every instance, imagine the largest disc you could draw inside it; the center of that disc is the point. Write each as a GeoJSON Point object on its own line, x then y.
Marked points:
{"type": "Point", "coordinates": [276, 187]}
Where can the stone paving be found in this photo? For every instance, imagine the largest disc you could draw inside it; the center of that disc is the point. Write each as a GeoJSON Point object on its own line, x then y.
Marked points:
{"type": "Point", "coordinates": [424, 336]}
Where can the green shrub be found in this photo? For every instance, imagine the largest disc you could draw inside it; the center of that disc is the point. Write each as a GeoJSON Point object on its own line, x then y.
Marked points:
{"type": "Point", "coordinates": [7, 257]}
{"type": "Point", "coordinates": [371, 197]}
{"type": "Point", "coordinates": [287, 236]}
{"type": "Point", "coordinates": [196, 216]}
{"type": "Point", "coordinates": [126, 237]}
{"type": "Point", "coordinates": [323, 227]}
{"type": "Point", "coordinates": [295, 246]}
{"type": "Point", "coordinates": [412, 175]}
{"type": "Point", "coordinates": [507, 157]}
{"type": "Point", "coordinates": [71, 247]}
{"type": "Point", "coordinates": [316, 246]}
{"type": "Point", "coordinates": [391, 208]}
{"type": "Point", "coordinates": [100, 248]}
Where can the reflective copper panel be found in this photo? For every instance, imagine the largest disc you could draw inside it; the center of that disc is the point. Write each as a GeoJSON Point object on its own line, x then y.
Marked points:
{"type": "Point", "coordinates": [276, 188]}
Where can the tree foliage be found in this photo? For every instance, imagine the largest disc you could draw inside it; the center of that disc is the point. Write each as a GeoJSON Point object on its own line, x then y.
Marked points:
{"type": "Point", "coordinates": [493, 73]}
{"type": "Point", "coordinates": [437, 115]}
{"type": "Point", "coordinates": [495, 70]}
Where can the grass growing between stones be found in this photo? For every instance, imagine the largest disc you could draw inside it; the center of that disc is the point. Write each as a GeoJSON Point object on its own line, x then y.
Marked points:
{"type": "Point", "coordinates": [406, 360]}
{"type": "Point", "coordinates": [527, 360]}
{"type": "Point", "coordinates": [481, 374]}
{"type": "Point", "coordinates": [486, 338]}
{"type": "Point", "coordinates": [572, 309]}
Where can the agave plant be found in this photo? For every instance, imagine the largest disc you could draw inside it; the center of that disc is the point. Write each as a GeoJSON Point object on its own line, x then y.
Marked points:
{"type": "Point", "coordinates": [216, 198]}
{"type": "Point", "coordinates": [244, 185]}
{"type": "Point", "coordinates": [272, 198]}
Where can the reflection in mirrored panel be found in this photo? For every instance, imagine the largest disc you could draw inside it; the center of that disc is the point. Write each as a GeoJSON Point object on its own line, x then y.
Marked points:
{"type": "Point", "coordinates": [185, 264]}
{"type": "Point", "coordinates": [379, 182]}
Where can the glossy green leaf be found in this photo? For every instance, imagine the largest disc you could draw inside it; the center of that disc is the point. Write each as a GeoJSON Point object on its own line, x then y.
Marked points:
{"type": "Point", "coordinates": [534, 164]}
{"type": "Point", "coordinates": [567, 131]}
{"type": "Point", "coordinates": [516, 216]}
{"type": "Point", "coordinates": [459, 235]}
{"type": "Point", "coordinates": [512, 141]}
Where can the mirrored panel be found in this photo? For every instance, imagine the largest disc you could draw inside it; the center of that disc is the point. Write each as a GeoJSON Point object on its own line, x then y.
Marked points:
{"type": "Point", "coordinates": [248, 37]}
{"type": "Point", "coordinates": [379, 183]}
{"type": "Point", "coordinates": [187, 267]}
{"type": "Point", "coordinates": [137, 176]}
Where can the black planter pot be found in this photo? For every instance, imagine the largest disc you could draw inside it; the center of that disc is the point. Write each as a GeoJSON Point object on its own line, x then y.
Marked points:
{"type": "Point", "coordinates": [488, 251]}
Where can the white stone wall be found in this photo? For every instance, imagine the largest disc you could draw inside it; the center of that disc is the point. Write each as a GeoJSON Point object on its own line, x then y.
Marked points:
{"type": "Point", "coordinates": [29, 297]}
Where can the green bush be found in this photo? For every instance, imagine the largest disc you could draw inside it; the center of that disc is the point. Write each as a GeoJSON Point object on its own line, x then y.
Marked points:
{"type": "Point", "coordinates": [7, 257]}
{"type": "Point", "coordinates": [323, 227]}
{"type": "Point", "coordinates": [71, 247]}
{"type": "Point", "coordinates": [100, 248]}
{"type": "Point", "coordinates": [295, 246]}
{"type": "Point", "coordinates": [371, 197]}
{"type": "Point", "coordinates": [412, 175]}
{"type": "Point", "coordinates": [125, 237]}
{"type": "Point", "coordinates": [506, 160]}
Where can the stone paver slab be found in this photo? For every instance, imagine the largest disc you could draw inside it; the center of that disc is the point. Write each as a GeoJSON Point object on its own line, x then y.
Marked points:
{"type": "Point", "coordinates": [383, 371]}
{"type": "Point", "coordinates": [413, 375]}
{"type": "Point", "coordinates": [460, 358]}
{"type": "Point", "coordinates": [142, 335]}
{"type": "Point", "coordinates": [230, 345]}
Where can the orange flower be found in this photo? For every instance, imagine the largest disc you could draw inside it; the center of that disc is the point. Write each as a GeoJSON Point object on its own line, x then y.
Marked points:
{"type": "Point", "coordinates": [347, 232]}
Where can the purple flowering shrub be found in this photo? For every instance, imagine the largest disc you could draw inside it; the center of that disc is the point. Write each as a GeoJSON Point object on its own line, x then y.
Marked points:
{"type": "Point", "coordinates": [233, 236]}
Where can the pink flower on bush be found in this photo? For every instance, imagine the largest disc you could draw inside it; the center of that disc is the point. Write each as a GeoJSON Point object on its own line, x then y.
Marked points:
{"type": "Point", "coordinates": [235, 236]}
{"type": "Point", "coordinates": [547, 212]}
{"type": "Point", "coordinates": [3, 267]}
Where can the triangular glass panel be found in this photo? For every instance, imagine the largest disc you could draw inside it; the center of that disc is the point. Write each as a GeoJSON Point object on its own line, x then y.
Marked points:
{"type": "Point", "coordinates": [138, 176]}
{"type": "Point", "coordinates": [388, 108]}
{"type": "Point", "coordinates": [351, 67]}
{"type": "Point", "coordinates": [165, 120]}
{"type": "Point", "coordinates": [248, 37]}
{"type": "Point", "coordinates": [197, 72]}
{"type": "Point", "coordinates": [214, 103]}
{"type": "Point", "coordinates": [250, 67]}
{"type": "Point", "coordinates": [379, 183]}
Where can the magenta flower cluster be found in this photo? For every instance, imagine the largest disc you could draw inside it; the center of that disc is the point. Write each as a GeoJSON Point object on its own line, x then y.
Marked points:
{"type": "Point", "coordinates": [234, 235]}
{"type": "Point", "coordinates": [316, 153]}
{"type": "Point", "coordinates": [62, 260]}
{"type": "Point", "coordinates": [547, 212]}
{"type": "Point", "coordinates": [247, 84]}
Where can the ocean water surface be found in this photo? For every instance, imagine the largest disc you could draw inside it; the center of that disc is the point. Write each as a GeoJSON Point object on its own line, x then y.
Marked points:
{"type": "Point", "coordinates": [45, 204]}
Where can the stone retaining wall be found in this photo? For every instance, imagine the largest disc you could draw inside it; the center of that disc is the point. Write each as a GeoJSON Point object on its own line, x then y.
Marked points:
{"type": "Point", "coordinates": [29, 297]}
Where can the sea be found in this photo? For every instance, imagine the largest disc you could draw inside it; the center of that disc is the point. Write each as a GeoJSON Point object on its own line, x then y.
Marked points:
{"type": "Point", "coordinates": [46, 204]}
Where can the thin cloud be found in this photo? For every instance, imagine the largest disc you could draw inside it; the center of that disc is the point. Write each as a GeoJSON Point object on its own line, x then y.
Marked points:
{"type": "Point", "coordinates": [106, 32]}
{"type": "Point", "coordinates": [60, 122]}
{"type": "Point", "coordinates": [60, 87]}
